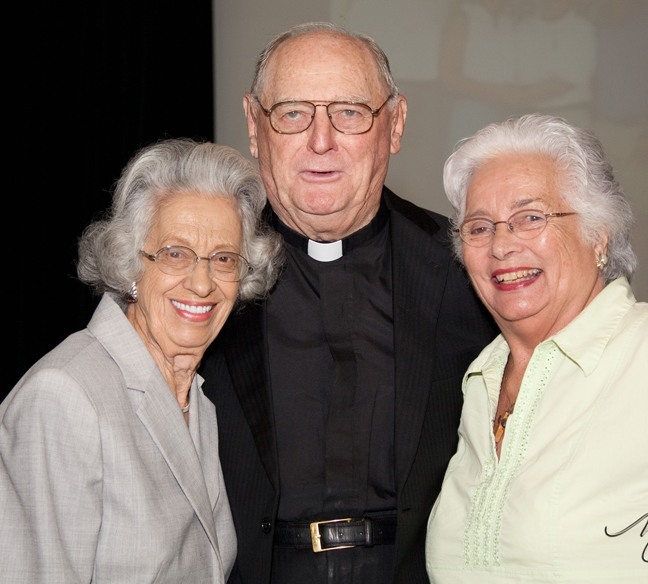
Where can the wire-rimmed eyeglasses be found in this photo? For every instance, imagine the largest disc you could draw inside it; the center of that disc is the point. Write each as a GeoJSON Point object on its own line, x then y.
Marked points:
{"type": "Point", "coordinates": [525, 224]}
{"type": "Point", "coordinates": [347, 117]}
{"type": "Point", "coordinates": [178, 260]}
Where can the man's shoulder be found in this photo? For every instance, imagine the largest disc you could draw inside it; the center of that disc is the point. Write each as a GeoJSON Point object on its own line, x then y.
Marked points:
{"type": "Point", "coordinates": [429, 221]}
{"type": "Point", "coordinates": [243, 326]}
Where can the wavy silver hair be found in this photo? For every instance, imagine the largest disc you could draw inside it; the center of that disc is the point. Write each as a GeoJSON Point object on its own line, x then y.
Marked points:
{"type": "Point", "coordinates": [313, 28]}
{"type": "Point", "coordinates": [109, 258]}
{"type": "Point", "coordinates": [588, 183]}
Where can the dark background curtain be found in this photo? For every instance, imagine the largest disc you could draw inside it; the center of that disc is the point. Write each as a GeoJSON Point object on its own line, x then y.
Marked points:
{"type": "Point", "coordinates": [94, 81]}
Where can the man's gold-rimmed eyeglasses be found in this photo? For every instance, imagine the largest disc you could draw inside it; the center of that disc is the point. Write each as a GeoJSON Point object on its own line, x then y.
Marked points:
{"type": "Point", "coordinates": [525, 224]}
{"type": "Point", "coordinates": [293, 117]}
{"type": "Point", "coordinates": [178, 260]}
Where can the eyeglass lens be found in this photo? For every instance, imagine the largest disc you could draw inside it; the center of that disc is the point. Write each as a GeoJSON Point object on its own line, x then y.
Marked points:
{"type": "Point", "coordinates": [297, 116]}
{"type": "Point", "coordinates": [178, 260]}
{"type": "Point", "coordinates": [525, 224]}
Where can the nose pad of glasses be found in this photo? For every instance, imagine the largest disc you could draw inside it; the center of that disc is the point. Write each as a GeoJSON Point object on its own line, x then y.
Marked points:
{"type": "Point", "coordinates": [505, 239]}
{"type": "Point", "coordinates": [197, 261]}
{"type": "Point", "coordinates": [324, 120]}
{"type": "Point", "coordinates": [507, 231]}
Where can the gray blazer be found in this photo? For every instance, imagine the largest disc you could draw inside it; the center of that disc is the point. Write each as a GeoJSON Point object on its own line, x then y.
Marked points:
{"type": "Point", "coordinates": [101, 479]}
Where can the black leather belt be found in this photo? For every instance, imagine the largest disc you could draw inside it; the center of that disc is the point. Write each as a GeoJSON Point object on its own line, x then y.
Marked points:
{"type": "Point", "coordinates": [333, 534]}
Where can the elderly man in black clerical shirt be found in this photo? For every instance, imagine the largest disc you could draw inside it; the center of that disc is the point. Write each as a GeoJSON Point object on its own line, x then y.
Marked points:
{"type": "Point", "coordinates": [339, 396]}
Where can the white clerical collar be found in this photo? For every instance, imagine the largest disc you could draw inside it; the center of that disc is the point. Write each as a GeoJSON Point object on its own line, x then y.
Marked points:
{"type": "Point", "coordinates": [325, 252]}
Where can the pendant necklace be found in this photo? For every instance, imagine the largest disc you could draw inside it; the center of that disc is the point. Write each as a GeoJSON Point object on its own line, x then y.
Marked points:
{"type": "Point", "coordinates": [502, 419]}
{"type": "Point", "coordinates": [501, 424]}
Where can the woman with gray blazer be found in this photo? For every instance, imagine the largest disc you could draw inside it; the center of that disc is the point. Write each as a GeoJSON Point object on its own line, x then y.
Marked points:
{"type": "Point", "coordinates": [109, 466]}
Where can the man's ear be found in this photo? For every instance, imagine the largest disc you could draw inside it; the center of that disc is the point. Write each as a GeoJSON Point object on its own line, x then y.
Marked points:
{"type": "Point", "coordinates": [398, 123]}
{"type": "Point", "coordinates": [250, 118]}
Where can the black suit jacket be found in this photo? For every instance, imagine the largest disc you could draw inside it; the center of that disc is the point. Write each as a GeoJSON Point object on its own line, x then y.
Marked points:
{"type": "Point", "coordinates": [439, 327]}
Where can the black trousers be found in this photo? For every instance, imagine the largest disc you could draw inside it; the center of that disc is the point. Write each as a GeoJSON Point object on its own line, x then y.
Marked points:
{"type": "Point", "coordinates": [358, 565]}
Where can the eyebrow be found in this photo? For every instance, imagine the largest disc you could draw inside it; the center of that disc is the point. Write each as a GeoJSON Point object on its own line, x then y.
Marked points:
{"type": "Point", "coordinates": [526, 202]}
{"type": "Point", "coordinates": [222, 246]}
{"type": "Point", "coordinates": [517, 205]}
{"type": "Point", "coordinates": [355, 99]}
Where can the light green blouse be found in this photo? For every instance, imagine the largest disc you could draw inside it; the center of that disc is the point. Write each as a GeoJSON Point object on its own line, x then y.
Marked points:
{"type": "Point", "coordinates": [568, 499]}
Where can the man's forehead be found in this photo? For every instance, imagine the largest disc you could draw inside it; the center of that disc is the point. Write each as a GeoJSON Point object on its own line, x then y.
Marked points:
{"type": "Point", "coordinates": [337, 66]}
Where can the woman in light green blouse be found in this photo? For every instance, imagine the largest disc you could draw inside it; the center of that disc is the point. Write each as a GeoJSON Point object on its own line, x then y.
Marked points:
{"type": "Point", "coordinates": [550, 479]}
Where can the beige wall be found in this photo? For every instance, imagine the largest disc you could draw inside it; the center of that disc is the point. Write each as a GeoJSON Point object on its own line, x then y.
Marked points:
{"type": "Point", "coordinates": [502, 56]}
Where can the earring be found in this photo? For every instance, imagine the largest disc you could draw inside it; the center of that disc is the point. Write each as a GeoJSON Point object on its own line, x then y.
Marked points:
{"type": "Point", "coordinates": [602, 261]}
{"type": "Point", "coordinates": [132, 293]}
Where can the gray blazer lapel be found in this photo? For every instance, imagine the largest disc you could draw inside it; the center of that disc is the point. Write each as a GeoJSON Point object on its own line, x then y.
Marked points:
{"type": "Point", "coordinates": [166, 425]}
{"type": "Point", "coordinates": [155, 405]}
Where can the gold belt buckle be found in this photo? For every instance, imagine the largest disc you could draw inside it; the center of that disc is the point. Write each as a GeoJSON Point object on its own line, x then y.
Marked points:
{"type": "Point", "coordinates": [316, 536]}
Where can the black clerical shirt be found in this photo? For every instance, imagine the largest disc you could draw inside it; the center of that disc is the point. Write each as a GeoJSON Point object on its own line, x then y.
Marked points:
{"type": "Point", "coordinates": [332, 377]}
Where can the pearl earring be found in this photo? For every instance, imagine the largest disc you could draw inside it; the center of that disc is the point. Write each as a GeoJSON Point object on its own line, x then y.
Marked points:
{"type": "Point", "coordinates": [602, 261]}
{"type": "Point", "coordinates": [132, 293]}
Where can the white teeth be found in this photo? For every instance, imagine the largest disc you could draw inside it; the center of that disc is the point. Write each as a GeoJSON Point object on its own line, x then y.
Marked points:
{"type": "Point", "coordinates": [519, 275]}
{"type": "Point", "coordinates": [192, 309]}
